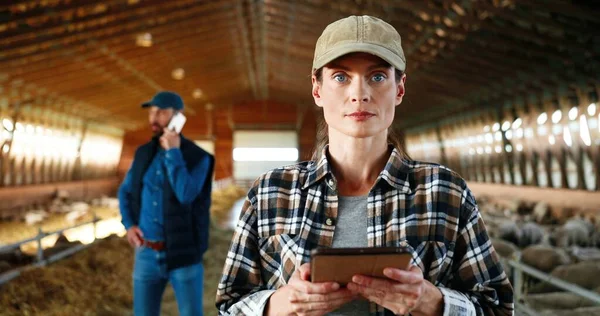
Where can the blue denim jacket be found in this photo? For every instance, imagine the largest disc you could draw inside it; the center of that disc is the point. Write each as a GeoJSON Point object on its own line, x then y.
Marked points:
{"type": "Point", "coordinates": [185, 184]}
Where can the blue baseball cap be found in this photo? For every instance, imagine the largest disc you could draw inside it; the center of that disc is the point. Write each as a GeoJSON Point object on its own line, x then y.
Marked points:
{"type": "Point", "coordinates": [165, 100]}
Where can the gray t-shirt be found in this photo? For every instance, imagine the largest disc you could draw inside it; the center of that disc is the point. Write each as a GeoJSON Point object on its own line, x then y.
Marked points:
{"type": "Point", "coordinates": [351, 231]}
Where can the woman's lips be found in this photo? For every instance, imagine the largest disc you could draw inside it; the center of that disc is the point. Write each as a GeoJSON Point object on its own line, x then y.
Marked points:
{"type": "Point", "coordinates": [361, 115]}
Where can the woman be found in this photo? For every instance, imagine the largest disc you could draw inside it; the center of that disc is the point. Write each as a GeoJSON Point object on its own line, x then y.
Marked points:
{"type": "Point", "coordinates": [361, 190]}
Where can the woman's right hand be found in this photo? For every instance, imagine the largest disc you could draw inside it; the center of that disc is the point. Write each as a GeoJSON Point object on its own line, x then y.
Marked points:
{"type": "Point", "coordinates": [301, 297]}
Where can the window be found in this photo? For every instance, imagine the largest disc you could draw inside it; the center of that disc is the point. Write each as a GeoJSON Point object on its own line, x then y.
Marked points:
{"type": "Point", "coordinates": [256, 152]}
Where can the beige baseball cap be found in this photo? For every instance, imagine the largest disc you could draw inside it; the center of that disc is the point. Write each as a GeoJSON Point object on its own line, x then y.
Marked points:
{"type": "Point", "coordinates": [354, 34]}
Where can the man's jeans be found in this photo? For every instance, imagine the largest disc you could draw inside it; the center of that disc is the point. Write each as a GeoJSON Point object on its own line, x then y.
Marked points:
{"type": "Point", "coordinates": [150, 277]}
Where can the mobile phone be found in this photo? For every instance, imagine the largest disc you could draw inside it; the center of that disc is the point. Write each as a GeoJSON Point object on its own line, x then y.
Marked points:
{"type": "Point", "coordinates": [177, 122]}
{"type": "Point", "coordinates": [341, 264]}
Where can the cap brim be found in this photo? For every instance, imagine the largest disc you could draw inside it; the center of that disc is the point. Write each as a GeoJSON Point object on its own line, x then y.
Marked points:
{"type": "Point", "coordinates": [146, 104]}
{"type": "Point", "coordinates": [349, 48]}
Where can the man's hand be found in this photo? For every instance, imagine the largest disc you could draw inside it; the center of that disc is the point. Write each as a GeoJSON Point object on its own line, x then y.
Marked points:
{"type": "Point", "coordinates": [402, 292]}
{"type": "Point", "coordinates": [134, 236]}
{"type": "Point", "coordinates": [301, 297]}
{"type": "Point", "coordinates": [169, 139]}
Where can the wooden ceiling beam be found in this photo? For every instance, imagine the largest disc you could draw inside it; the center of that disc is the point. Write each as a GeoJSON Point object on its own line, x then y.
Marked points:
{"type": "Point", "coordinates": [160, 33]}
{"type": "Point", "coordinates": [117, 28]}
{"type": "Point", "coordinates": [95, 56]}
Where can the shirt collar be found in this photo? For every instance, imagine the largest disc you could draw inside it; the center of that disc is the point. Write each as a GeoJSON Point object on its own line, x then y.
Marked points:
{"type": "Point", "coordinates": [395, 173]}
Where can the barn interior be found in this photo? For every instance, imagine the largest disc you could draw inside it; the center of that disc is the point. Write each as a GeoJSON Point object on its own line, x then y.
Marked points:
{"type": "Point", "coordinates": [503, 92]}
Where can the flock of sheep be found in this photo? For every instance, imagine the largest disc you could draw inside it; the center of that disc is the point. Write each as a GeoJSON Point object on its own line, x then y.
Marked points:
{"type": "Point", "coordinates": [561, 241]}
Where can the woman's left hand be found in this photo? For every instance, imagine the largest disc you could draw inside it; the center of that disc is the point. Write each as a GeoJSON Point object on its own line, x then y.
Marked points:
{"type": "Point", "coordinates": [402, 292]}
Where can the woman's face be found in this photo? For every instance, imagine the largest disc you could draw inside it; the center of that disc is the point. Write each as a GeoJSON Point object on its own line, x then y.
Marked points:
{"type": "Point", "coordinates": [358, 95]}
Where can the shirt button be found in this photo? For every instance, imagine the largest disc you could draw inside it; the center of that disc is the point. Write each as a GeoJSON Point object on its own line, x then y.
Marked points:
{"type": "Point", "coordinates": [331, 184]}
{"type": "Point", "coordinates": [158, 173]}
{"type": "Point", "coordinates": [156, 220]}
{"type": "Point", "coordinates": [403, 243]}
{"type": "Point", "coordinates": [329, 222]}
{"type": "Point", "coordinates": [154, 203]}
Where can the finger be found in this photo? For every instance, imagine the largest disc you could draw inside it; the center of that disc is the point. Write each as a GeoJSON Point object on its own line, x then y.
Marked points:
{"type": "Point", "coordinates": [300, 297]}
{"type": "Point", "coordinates": [304, 271]}
{"type": "Point", "coordinates": [139, 232]}
{"type": "Point", "coordinates": [412, 276]}
{"type": "Point", "coordinates": [137, 240]}
{"type": "Point", "coordinates": [321, 307]}
{"type": "Point", "coordinates": [373, 282]}
{"type": "Point", "coordinates": [314, 288]}
{"type": "Point", "coordinates": [393, 286]}
{"type": "Point", "coordinates": [374, 295]}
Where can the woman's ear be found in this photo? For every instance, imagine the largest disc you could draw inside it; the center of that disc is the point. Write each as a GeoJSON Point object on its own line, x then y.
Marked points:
{"type": "Point", "coordinates": [316, 91]}
{"type": "Point", "coordinates": [400, 90]}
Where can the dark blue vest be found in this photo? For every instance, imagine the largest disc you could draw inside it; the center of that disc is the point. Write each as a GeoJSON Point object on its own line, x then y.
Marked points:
{"type": "Point", "coordinates": [185, 225]}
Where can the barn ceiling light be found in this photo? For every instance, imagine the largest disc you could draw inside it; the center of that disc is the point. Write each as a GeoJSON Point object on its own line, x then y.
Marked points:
{"type": "Point", "coordinates": [505, 125]}
{"type": "Point", "coordinates": [496, 127]}
{"type": "Point", "coordinates": [573, 113]}
{"type": "Point", "coordinates": [542, 118]}
{"type": "Point", "coordinates": [519, 147]}
{"type": "Point", "coordinates": [517, 123]}
{"type": "Point", "coordinates": [556, 116]}
{"type": "Point", "coordinates": [551, 140]}
{"type": "Point", "coordinates": [8, 124]}
{"type": "Point", "coordinates": [144, 40]}
{"type": "Point", "coordinates": [178, 73]}
{"type": "Point", "coordinates": [197, 94]}
{"type": "Point", "coordinates": [591, 109]}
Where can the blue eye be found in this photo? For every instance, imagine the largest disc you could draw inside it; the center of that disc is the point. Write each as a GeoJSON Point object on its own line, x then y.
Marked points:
{"type": "Point", "coordinates": [378, 78]}
{"type": "Point", "coordinates": [340, 78]}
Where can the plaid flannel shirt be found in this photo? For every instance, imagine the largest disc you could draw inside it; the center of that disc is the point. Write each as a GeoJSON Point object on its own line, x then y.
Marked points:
{"type": "Point", "coordinates": [292, 210]}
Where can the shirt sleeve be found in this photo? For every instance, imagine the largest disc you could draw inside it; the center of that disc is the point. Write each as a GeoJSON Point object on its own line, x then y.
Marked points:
{"type": "Point", "coordinates": [124, 195]}
{"type": "Point", "coordinates": [186, 184]}
{"type": "Point", "coordinates": [241, 290]}
{"type": "Point", "coordinates": [479, 282]}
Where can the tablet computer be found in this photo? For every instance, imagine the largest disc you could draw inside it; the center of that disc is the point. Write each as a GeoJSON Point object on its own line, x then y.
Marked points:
{"type": "Point", "coordinates": [341, 264]}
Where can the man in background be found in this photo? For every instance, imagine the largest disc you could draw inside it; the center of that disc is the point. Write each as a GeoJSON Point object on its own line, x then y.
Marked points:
{"type": "Point", "coordinates": [164, 203]}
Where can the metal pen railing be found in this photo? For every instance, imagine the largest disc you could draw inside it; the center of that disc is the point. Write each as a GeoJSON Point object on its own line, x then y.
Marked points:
{"type": "Point", "coordinates": [519, 269]}
{"type": "Point", "coordinates": [40, 259]}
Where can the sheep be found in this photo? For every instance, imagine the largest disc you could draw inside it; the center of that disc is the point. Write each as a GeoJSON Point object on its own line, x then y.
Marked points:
{"type": "Point", "coordinates": [541, 213]}
{"type": "Point", "coordinates": [544, 258]}
{"type": "Point", "coordinates": [575, 232]}
{"type": "Point", "coordinates": [110, 202]}
{"type": "Point", "coordinates": [504, 248]}
{"type": "Point", "coordinates": [35, 216]}
{"type": "Point", "coordinates": [531, 234]}
{"type": "Point", "coordinates": [584, 274]}
{"type": "Point", "coordinates": [510, 232]}
{"type": "Point", "coordinates": [585, 311]}
{"type": "Point", "coordinates": [584, 254]}
{"type": "Point", "coordinates": [557, 300]}
{"type": "Point", "coordinates": [78, 210]}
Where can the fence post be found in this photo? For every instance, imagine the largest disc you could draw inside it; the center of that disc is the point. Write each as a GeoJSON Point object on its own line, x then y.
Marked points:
{"type": "Point", "coordinates": [40, 250]}
{"type": "Point", "coordinates": [518, 277]}
{"type": "Point", "coordinates": [95, 222]}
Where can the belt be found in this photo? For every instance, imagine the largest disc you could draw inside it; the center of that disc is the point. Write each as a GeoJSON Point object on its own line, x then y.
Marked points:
{"type": "Point", "coordinates": [154, 245]}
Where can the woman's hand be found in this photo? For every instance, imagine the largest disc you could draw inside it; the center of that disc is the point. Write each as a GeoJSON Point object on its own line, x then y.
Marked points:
{"type": "Point", "coordinates": [402, 292]}
{"type": "Point", "coordinates": [302, 297]}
